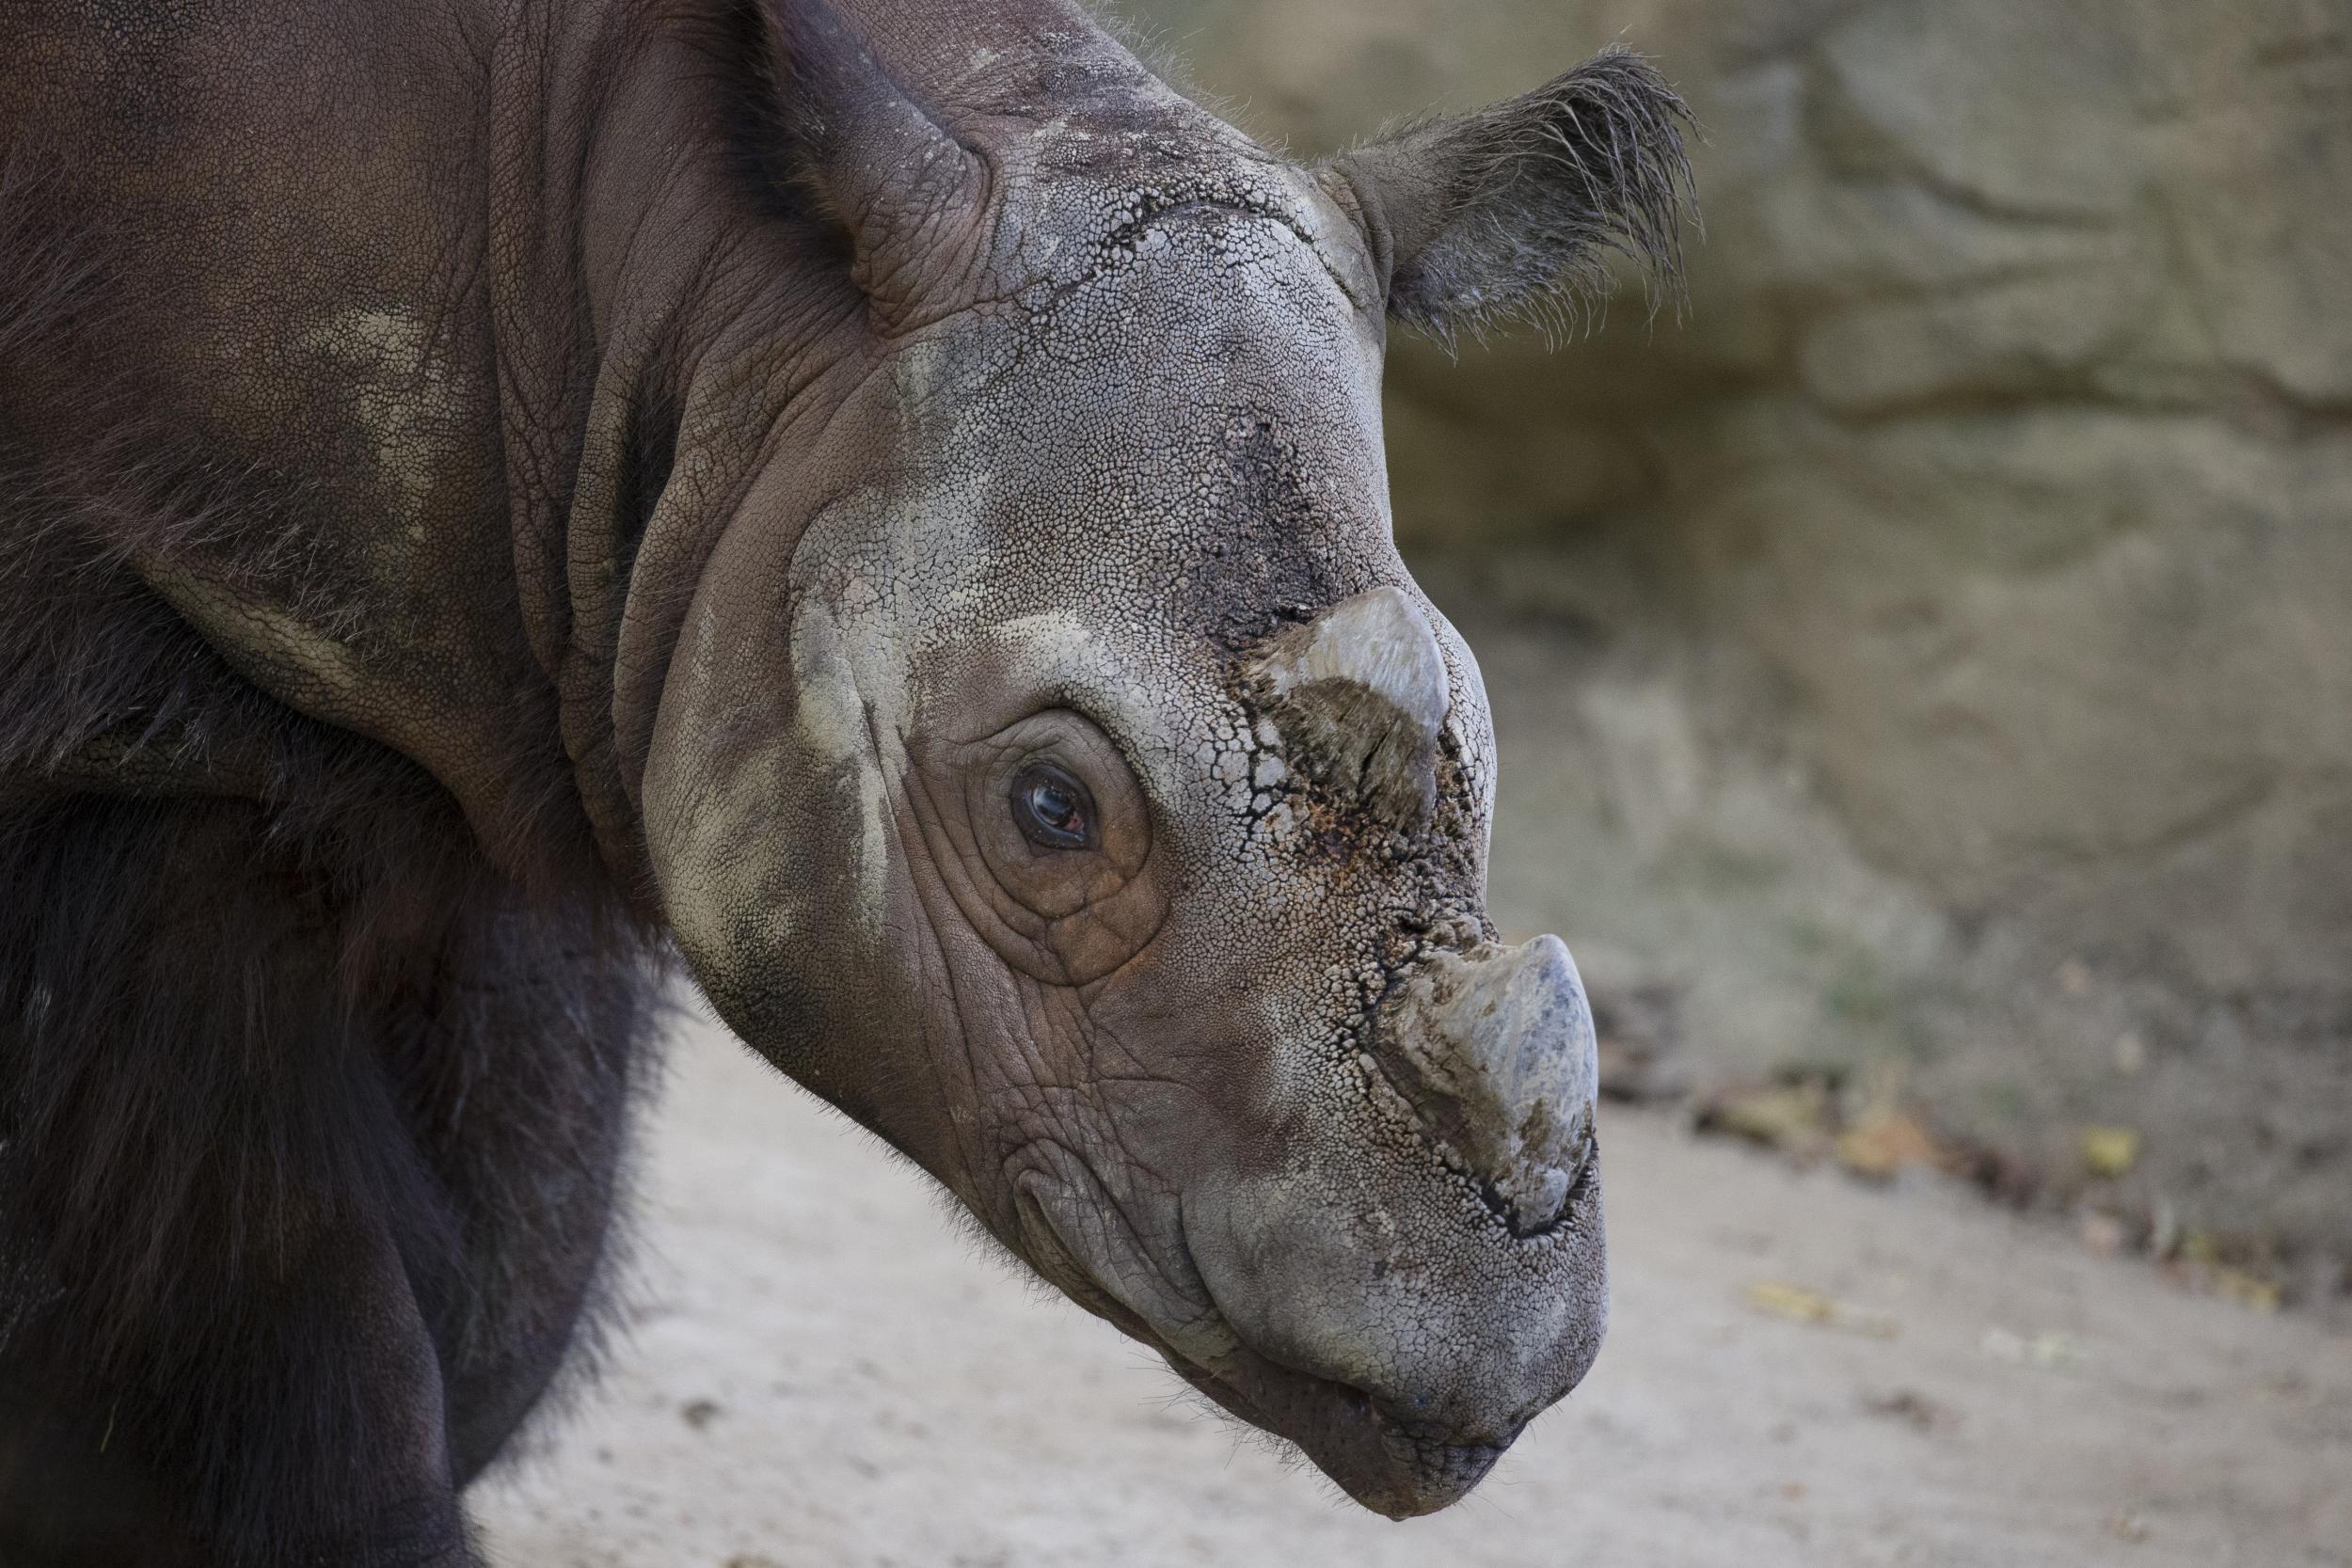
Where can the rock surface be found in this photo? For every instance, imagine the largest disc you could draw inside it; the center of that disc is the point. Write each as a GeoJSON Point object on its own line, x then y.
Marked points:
{"type": "Point", "coordinates": [1946, 627]}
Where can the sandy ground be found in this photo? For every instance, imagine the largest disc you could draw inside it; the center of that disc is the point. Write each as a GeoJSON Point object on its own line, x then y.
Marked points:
{"type": "Point", "coordinates": [822, 1371]}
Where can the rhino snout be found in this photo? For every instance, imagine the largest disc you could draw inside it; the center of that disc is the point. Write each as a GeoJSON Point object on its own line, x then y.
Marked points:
{"type": "Point", "coordinates": [1405, 1298]}
{"type": "Point", "coordinates": [1495, 1050]}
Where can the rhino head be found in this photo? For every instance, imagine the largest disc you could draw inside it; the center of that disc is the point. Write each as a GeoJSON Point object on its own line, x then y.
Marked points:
{"type": "Point", "coordinates": [1057, 769]}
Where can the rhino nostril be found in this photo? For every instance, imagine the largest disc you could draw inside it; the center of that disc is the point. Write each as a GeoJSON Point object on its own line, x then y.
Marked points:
{"type": "Point", "coordinates": [1495, 1050]}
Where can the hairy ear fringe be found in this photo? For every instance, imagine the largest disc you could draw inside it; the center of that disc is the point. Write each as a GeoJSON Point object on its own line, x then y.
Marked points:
{"type": "Point", "coordinates": [1512, 212]}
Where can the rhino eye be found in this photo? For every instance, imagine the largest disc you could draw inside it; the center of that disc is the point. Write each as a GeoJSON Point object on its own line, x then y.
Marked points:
{"type": "Point", "coordinates": [1052, 809]}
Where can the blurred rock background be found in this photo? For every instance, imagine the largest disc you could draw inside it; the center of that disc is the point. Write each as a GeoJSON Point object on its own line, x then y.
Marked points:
{"type": "Point", "coordinates": [1925, 670]}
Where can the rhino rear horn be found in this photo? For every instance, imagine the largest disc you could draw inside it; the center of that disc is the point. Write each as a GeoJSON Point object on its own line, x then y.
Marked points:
{"type": "Point", "coordinates": [1360, 694]}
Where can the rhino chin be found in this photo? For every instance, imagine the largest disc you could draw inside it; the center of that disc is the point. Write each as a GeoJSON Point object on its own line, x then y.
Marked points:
{"type": "Point", "coordinates": [1394, 1466]}
{"type": "Point", "coordinates": [1384, 1463]}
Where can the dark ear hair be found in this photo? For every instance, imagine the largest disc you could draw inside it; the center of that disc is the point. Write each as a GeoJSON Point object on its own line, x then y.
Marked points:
{"type": "Point", "coordinates": [1513, 210]}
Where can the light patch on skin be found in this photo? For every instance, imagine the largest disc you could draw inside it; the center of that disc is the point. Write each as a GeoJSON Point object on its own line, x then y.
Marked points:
{"type": "Point", "coordinates": [831, 719]}
{"type": "Point", "coordinates": [275, 646]}
{"type": "Point", "coordinates": [313, 671]}
{"type": "Point", "coordinates": [323, 670]}
{"type": "Point", "coordinates": [698, 922]}
{"type": "Point", "coordinates": [921, 371]}
{"type": "Point", "coordinates": [868, 555]}
{"type": "Point", "coordinates": [1470, 723]}
{"type": "Point", "coordinates": [1049, 645]}
{"type": "Point", "coordinates": [403, 395]}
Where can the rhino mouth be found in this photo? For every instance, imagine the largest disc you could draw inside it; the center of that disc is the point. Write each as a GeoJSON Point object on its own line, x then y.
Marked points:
{"type": "Point", "coordinates": [1382, 1458]}
{"type": "Point", "coordinates": [1394, 1466]}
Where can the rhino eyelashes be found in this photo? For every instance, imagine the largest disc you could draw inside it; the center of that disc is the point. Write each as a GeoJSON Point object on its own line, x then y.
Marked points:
{"type": "Point", "coordinates": [1359, 695]}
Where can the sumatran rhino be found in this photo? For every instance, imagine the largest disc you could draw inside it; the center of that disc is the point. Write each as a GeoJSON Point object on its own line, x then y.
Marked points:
{"type": "Point", "coordinates": [885, 498]}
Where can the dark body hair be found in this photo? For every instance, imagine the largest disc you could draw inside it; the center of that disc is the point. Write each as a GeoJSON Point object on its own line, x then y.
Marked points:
{"type": "Point", "coordinates": [313, 1120]}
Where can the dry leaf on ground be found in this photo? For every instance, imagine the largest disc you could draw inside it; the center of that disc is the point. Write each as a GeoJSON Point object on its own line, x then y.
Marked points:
{"type": "Point", "coordinates": [1882, 1142]}
{"type": "Point", "coordinates": [1794, 1302]}
{"type": "Point", "coordinates": [2110, 1151]}
{"type": "Point", "coordinates": [1779, 1298]}
{"type": "Point", "coordinates": [2249, 1289]}
{"type": "Point", "coordinates": [1794, 1117]}
{"type": "Point", "coordinates": [2048, 1351]}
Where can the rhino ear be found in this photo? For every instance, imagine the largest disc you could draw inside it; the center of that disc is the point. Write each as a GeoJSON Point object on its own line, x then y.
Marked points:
{"type": "Point", "coordinates": [872, 137]}
{"type": "Point", "coordinates": [1513, 210]}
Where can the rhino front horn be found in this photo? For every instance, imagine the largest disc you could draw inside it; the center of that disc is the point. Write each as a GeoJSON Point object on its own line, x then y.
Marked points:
{"type": "Point", "coordinates": [1495, 1050]}
{"type": "Point", "coordinates": [1359, 694]}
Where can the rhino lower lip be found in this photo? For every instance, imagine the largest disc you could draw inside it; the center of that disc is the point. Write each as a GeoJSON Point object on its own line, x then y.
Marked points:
{"type": "Point", "coordinates": [1388, 1464]}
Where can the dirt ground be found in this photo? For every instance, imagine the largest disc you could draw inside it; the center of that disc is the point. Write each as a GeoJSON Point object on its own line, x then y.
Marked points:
{"type": "Point", "coordinates": [821, 1371]}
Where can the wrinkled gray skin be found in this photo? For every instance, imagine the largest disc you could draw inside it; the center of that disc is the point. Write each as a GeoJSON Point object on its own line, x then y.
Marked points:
{"type": "Point", "coordinates": [1131, 426]}
{"type": "Point", "coordinates": [1139, 1067]}
{"type": "Point", "coordinates": [932, 394]}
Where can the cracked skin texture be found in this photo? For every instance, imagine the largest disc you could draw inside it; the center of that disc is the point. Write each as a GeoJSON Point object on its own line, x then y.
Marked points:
{"type": "Point", "coordinates": [723, 448]}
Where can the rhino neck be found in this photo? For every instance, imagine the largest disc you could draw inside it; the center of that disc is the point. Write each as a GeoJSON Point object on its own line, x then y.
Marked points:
{"type": "Point", "coordinates": [657, 317]}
